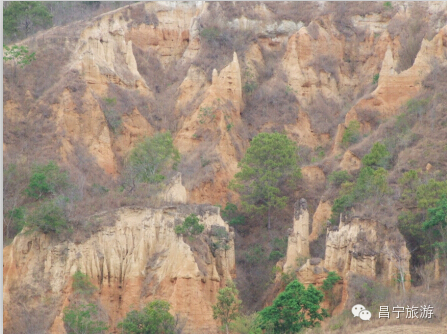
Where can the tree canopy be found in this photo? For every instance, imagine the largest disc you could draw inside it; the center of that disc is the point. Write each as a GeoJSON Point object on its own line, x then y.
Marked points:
{"type": "Point", "coordinates": [150, 158]}
{"type": "Point", "coordinates": [294, 309]}
{"type": "Point", "coordinates": [228, 305]}
{"type": "Point", "coordinates": [78, 320]}
{"type": "Point", "coordinates": [270, 159]}
{"type": "Point", "coordinates": [20, 18]}
{"type": "Point", "coordinates": [153, 319]}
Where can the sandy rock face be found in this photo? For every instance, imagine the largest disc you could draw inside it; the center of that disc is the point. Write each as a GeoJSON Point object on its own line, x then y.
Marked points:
{"type": "Point", "coordinates": [298, 245]}
{"type": "Point", "coordinates": [167, 29]}
{"type": "Point", "coordinates": [297, 62]}
{"type": "Point", "coordinates": [215, 117]}
{"type": "Point", "coordinates": [350, 161]}
{"type": "Point", "coordinates": [320, 217]}
{"type": "Point", "coordinates": [396, 88]}
{"type": "Point", "coordinates": [134, 258]}
{"type": "Point", "coordinates": [356, 247]}
{"type": "Point", "coordinates": [89, 128]}
{"type": "Point", "coordinates": [176, 192]}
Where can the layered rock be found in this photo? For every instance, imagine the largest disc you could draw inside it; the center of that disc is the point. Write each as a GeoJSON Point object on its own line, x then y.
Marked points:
{"type": "Point", "coordinates": [319, 219]}
{"type": "Point", "coordinates": [395, 88]}
{"type": "Point", "coordinates": [218, 112]}
{"type": "Point", "coordinates": [134, 258]}
{"type": "Point", "coordinates": [350, 162]}
{"type": "Point", "coordinates": [357, 247]}
{"type": "Point", "coordinates": [176, 192]}
{"type": "Point", "coordinates": [298, 243]}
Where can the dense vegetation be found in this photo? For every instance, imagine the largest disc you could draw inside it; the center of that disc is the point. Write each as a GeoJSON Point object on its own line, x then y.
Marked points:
{"type": "Point", "coordinates": [271, 158]}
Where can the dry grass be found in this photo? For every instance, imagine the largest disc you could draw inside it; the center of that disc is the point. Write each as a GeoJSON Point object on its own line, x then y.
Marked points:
{"type": "Point", "coordinates": [304, 11]}
{"type": "Point", "coordinates": [322, 113]}
{"type": "Point", "coordinates": [164, 83]}
{"type": "Point", "coordinates": [372, 295]}
{"type": "Point", "coordinates": [273, 100]}
{"type": "Point", "coordinates": [411, 31]}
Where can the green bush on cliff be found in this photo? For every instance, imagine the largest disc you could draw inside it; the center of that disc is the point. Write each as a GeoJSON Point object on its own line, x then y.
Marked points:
{"type": "Point", "coordinates": [153, 319]}
{"type": "Point", "coordinates": [49, 217]}
{"type": "Point", "coordinates": [294, 309]}
{"type": "Point", "coordinates": [47, 180]}
{"type": "Point", "coordinates": [190, 226]}
{"type": "Point", "coordinates": [81, 283]}
{"type": "Point", "coordinates": [78, 319]}
{"type": "Point", "coordinates": [150, 158]}
{"type": "Point", "coordinates": [351, 134]}
{"type": "Point", "coordinates": [271, 159]}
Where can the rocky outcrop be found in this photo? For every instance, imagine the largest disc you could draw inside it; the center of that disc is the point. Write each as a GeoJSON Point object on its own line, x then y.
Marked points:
{"type": "Point", "coordinates": [319, 219]}
{"type": "Point", "coordinates": [216, 118]}
{"type": "Point", "coordinates": [298, 60]}
{"type": "Point", "coordinates": [176, 192]}
{"type": "Point", "coordinates": [350, 162]}
{"type": "Point", "coordinates": [357, 247]}
{"type": "Point", "coordinates": [395, 88]}
{"type": "Point", "coordinates": [298, 244]}
{"type": "Point", "coordinates": [313, 175]}
{"type": "Point", "coordinates": [134, 258]}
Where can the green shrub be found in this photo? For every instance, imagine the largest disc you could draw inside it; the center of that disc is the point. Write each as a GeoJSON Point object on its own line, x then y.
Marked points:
{"type": "Point", "coordinates": [351, 134]}
{"type": "Point", "coordinates": [206, 114]}
{"type": "Point", "coordinates": [275, 255]}
{"type": "Point", "coordinates": [294, 309]}
{"type": "Point", "coordinates": [16, 219]}
{"type": "Point", "coordinates": [428, 194]}
{"type": "Point", "coordinates": [112, 116]}
{"type": "Point", "coordinates": [48, 217]}
{"type": "Point", "coordinates": [246, 324]}
{"type": "Point", "coordinates": [77, 320]}
{"type": "Point", "coordinates": [376, 78]}
{"type": "Point", "coordinates": [378, 157]}
{"type": "Point", "coordinates": [368, 292]}
{"type": "Point", "coordinates": [210, 34]}
{"type": "Point", "coordinates": [417, 106]}
{"type": "Point", "coordinates": [46, 180]}
{"type": "Point", "coordinates": [153, 319]}
{"type": "Point", "coordinates": [255, 255]}
{"type": "Point", "coordinates": [249, 87]}
{"type": "Point", "coordinates": [150, 159]}
{"type": "Point", "coordinates": [409, 183]}
{"type": "Point", "coordinates": [331, 279]}
{"type": "Point", "coordinates": [280, 245]}
{"type": "Point", "coordinates": [340, 205]}
{"type": "Point", "coordinates": [232, 216]}
{"type": "Point", "coordinates": [190, 226]}
{"type": "Point", "coordinates": [339, 177]}
{"type": "Point", "coordinates": [81, 284]}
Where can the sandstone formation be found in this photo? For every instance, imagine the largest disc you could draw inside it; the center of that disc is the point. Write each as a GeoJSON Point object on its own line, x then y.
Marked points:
{"type": "Point", "coordinates": [218, 112]}
{"type": "Point", "coordinates": [313, 175]}
{"type": "Point", "coordinates": [134, 258]}
{"type": "Point", "coordinates": [133, 255]}
{"type": "Point", "coordinates": [319, 219]}
{"type": "Point", "coordinates": [176, 192]}
{"type": "Point", "coordinates": [298, 244]}
{"type": "Point", "coordinates": [355, 247]}
{"type": "Point", "coordinates": [395, 88]}
{"type": "Point", "coordinates": [350, 162]}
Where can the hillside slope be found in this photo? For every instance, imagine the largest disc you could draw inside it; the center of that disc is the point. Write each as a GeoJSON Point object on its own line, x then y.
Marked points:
{"type": "Point", "coordinates": [215, 75]}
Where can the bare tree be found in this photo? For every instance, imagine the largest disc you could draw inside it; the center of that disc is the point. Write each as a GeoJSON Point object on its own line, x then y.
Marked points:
{"type": "Point", "coordinates": [427, 274]}
{"type": "Point", "coordinates": [399, 256]}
